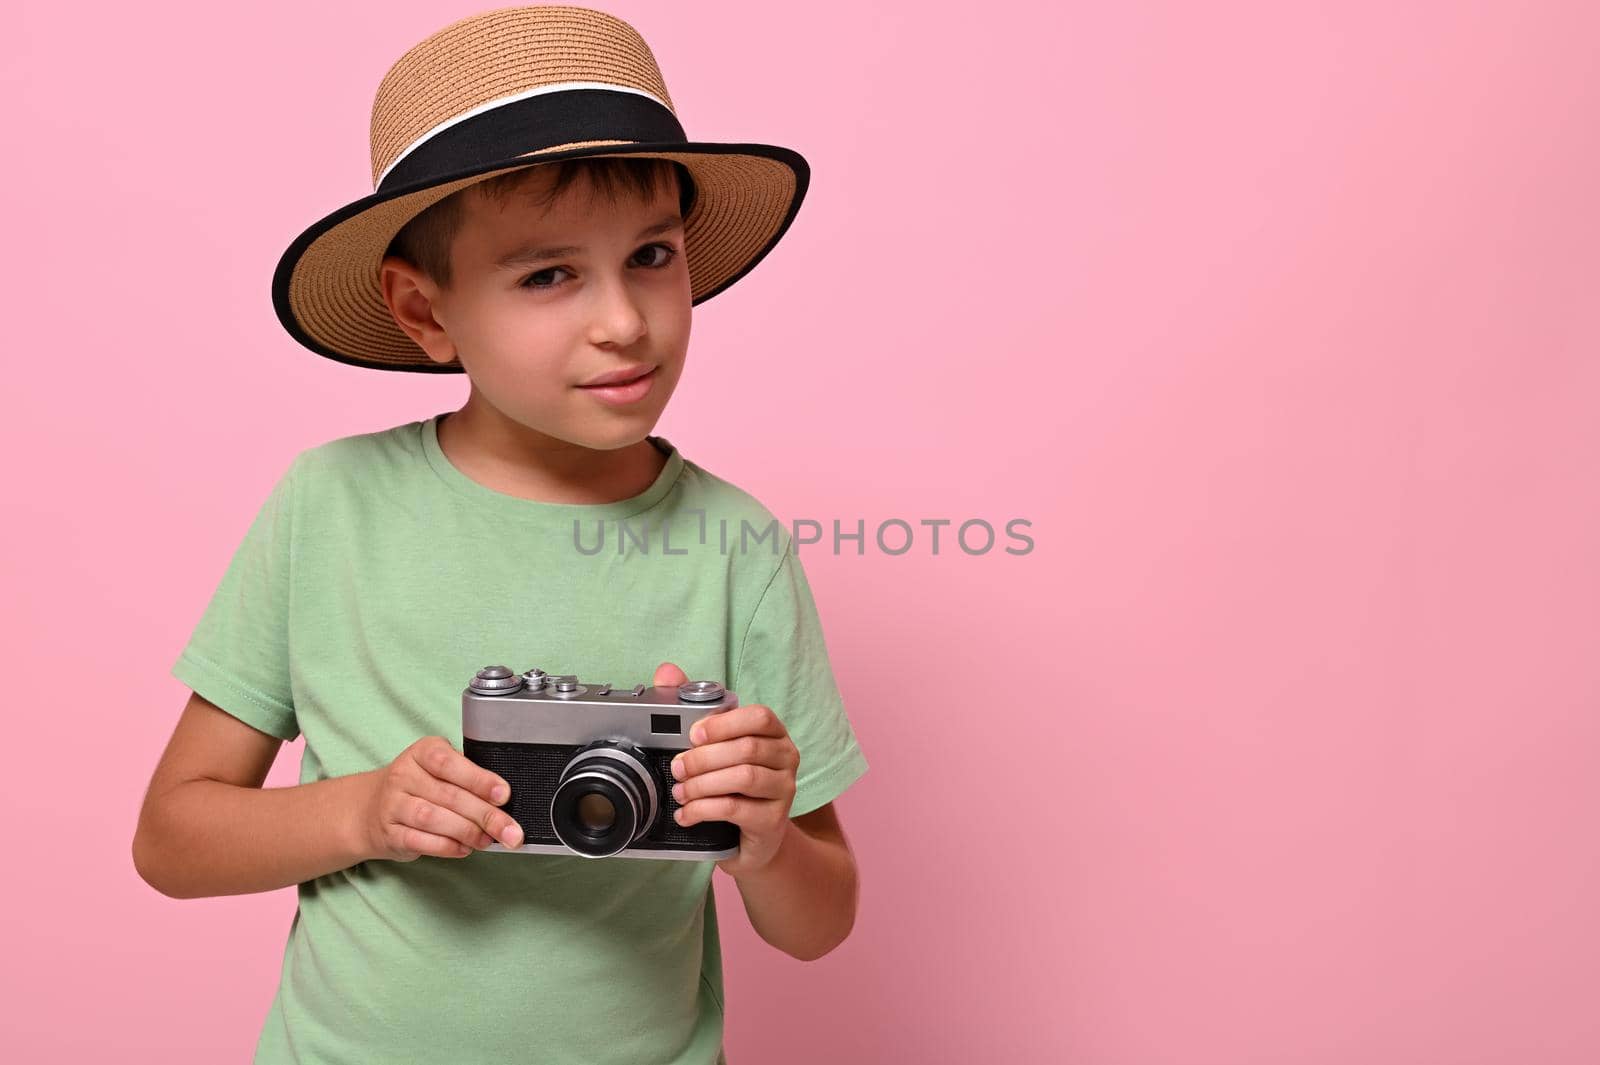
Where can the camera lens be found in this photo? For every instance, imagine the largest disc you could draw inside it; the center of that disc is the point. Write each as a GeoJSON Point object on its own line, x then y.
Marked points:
{"type": "Point", "coordinates": [595, 812]}
{"type": "Point", "coordinates": [604, 800]}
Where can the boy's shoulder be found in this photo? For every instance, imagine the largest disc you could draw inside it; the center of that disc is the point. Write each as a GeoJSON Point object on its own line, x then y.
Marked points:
{"type": "Point", "coordinates": [730, 510]}
{"type": "Point", "coordinates": [395, 446]}
{"type": "Point", "coordinates": [360, 466]}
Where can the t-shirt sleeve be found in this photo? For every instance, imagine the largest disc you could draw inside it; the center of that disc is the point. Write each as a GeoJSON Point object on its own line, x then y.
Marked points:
{"type": "Point", "coordinates": [783, 663]}
{"type": "Point", "coordinates": [238, 655]}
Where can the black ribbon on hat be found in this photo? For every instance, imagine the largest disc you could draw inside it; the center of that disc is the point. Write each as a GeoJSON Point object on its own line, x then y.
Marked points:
{"type": "Point", "coordinates": [527, 125]}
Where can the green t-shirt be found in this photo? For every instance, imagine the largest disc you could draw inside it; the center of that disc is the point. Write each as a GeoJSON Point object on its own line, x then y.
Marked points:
{"type": "Point", "coordinates": [374, 582]}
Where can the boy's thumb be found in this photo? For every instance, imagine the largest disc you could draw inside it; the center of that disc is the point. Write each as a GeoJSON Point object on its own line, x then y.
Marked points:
{"type": "Point", "coordinates": [669, 676]}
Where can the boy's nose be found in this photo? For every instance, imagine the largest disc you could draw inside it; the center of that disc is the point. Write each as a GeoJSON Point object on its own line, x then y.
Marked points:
{"type": "Point", "coordinates": [619, 321]}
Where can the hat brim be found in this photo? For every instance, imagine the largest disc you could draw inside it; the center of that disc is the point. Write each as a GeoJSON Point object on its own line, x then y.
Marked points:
{"type": "Point", "coordinates": [326, 289]}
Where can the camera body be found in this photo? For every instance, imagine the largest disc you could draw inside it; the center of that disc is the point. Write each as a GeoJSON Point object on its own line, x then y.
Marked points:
{"type": "Point", "coordinates": [590, 766]}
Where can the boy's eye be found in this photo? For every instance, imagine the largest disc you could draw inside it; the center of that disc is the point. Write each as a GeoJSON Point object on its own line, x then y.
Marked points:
{"type": "Point", "coordinates": [532, 280]}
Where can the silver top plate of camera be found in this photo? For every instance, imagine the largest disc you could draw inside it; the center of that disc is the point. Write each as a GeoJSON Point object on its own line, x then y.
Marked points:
{"type": "Point", "coordinates": [502, 706]}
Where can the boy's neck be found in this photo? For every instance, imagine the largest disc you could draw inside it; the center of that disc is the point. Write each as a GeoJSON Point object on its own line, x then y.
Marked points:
{"type": "Point", "coordinates": [510, 458]}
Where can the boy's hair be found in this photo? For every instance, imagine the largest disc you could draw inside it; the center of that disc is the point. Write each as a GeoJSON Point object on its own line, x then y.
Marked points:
{"type": "Point", "coordinates": [425, 241]}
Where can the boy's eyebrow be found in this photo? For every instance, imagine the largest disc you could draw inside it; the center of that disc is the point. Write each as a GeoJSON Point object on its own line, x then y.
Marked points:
{"type": "Point", "coordinates": [526, 256]}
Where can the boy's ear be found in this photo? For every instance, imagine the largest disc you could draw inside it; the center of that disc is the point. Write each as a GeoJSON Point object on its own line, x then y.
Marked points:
{"type": "Point", "coordinates": [410, 294]}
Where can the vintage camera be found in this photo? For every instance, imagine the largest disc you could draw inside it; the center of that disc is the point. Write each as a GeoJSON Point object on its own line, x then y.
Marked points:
{"type": "Point", "coordinates": [590, 766]}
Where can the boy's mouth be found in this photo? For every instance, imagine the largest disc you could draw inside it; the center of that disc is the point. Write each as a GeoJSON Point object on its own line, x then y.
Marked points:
{"type": "Point", "coordinates": [618, 377]}
{"type": "Point", "coordinates": [622, 393]}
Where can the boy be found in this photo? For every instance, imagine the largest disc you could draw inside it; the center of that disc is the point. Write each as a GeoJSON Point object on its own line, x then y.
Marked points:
{"type": "Point", "coordinates": [386, 568]}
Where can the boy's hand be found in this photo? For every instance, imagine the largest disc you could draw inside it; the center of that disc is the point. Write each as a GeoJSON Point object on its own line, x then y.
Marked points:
{"type": "Point", "coordinates": [741, 769]}
{"type": "Point", "coordinates": [433, 800]}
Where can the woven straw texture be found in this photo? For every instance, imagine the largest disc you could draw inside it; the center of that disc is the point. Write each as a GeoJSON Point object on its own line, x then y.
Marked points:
{"type": "Point", "coordinates": [500, 53]}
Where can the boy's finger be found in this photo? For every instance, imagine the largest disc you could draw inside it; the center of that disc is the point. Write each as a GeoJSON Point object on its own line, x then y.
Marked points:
{"type": "Point", "coordinates": [756, 782]}
{"type": "Point", "coordinates": [417, 841]}
{"type": "Point", "coordinates": [420, 812]}
{"type": "Point", "coordinates": [736, 809]}
{"type": "Point", "coordinates": [491, 819]}
{"type": "Point", "coordinates": [669, 675]}
{"type": "Point", "coordinates": [752, 720]}
{"type": "Point", "coordinates": [445, 762]}
{"type": "Point", "coordinates": [741, 750]}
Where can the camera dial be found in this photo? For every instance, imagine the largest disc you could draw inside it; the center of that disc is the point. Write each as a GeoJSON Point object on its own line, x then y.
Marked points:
{"type": "Point", "coordinates": [495, 680]}
{"type": "Point", "coordinates": [700, 691]}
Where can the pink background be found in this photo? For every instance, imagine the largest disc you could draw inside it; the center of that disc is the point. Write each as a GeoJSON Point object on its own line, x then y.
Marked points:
{"type": "Point", "coordinates": [1278, 321]}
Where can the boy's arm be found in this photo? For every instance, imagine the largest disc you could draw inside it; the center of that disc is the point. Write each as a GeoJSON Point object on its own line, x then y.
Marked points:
{"type": "Point", "coordinates": [804, 900]}
{"type": "Point", "coordinates": [208, 827]}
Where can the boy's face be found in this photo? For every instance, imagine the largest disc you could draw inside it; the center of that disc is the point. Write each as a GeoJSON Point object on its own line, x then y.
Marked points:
{"type": "Point", "coordinates": [530, 332]}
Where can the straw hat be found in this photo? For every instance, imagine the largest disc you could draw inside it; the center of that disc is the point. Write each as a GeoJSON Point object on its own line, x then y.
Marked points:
{"type": "Point", "coordinates": [485, 95]}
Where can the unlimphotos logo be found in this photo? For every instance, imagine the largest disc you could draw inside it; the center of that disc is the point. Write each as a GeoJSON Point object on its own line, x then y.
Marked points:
{"type": "Point", "coordinates": [892, 536]}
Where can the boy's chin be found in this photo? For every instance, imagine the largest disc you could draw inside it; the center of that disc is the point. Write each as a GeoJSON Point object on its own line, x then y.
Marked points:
{"type": "Point", "coordinates": [598, 430]}
{"type": "Point", "coordinates": [600, 436]}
